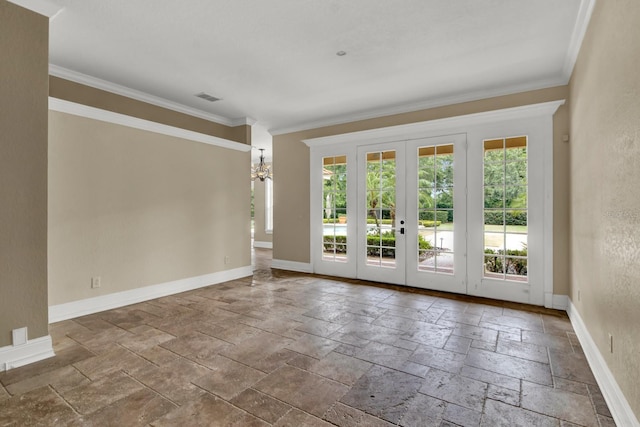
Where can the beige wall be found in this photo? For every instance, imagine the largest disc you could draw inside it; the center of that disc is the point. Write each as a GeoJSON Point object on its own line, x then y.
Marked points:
{"type": "Point", "coordinates": [561, 201]}
{"type": "Point", "coordinates": [138, 208]}
{"type": "Point", "coordinates": [81, 94]}
{"type": "Point", "coordinates": [259, 234]}
{"type": "Point", "coordinates": [605, 188]}
{"type": "Point", "coordinates": [24, 43]}
{"type": "Point", "coordinates": [291, 160]}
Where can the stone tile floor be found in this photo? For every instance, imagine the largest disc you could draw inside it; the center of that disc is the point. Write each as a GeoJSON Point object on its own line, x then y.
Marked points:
{"type": "Point", "coordinates": [287, 349]}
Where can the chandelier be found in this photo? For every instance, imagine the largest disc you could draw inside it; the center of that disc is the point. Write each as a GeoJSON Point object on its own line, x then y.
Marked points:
{"type": "Point", "coordinates": [262, 171]}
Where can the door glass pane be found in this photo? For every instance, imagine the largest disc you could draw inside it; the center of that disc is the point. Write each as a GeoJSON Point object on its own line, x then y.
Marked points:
{"type": "Point", "coordinates": [334, 211]}
{"type": "Point", "coordinates": [505, 203]}
{"type": "Point", "coordinates": [381, 209]}
{"type": "Point", "coordinates": [435, 250]}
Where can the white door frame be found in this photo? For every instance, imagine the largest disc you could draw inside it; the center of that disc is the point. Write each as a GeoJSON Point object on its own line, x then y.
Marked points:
{"type": "Point", "coordinates": [536, 119]}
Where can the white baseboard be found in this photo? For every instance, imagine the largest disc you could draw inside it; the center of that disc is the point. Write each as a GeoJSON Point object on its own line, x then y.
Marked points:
{"type": "Point", "coordinates": [618, 405]}
{"type": "Point", "coordinates": [265, 245]}
{"type": "Point", "coordinates": [558, 302]}
{"type": "Point", "coordinates": [14, 356]}
{"type": "Point", "coordinates": [302, 267]}
{"type": "Point", "coordinates": [120, 299]}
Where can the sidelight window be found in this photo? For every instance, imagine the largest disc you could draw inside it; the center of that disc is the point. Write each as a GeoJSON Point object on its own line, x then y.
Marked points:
{"type": "Point", "coordinates": [505, 208]}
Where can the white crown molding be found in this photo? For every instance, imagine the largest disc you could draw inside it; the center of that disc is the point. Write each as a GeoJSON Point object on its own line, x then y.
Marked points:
{"type": "Point", "coordinates": [577, 36]}
{"type": "Point", "coordinates": [14, 356]}
{"type": "Point", "coordinates": [283, 264]}
{"type": "Point", "coordinates": [243, 121]}
{"type": "Point", "coordinates": [97, 83]}
{"type": "Point", "coordinates": [417, 129]}
{"type": "Point", "coordinates": [83, 307]}
{"type": "Point", "coordinates": [41, 7]}
{"type": "Point", "coordinates": [616, 401]}
{"type": "Point", "coordinates": [82, 110]}
{"type": "Point", "coordinates": [423, 105]}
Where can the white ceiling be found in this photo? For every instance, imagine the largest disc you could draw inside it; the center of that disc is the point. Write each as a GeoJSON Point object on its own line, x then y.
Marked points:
{"type": "Point", "coordinates": [275, 61]}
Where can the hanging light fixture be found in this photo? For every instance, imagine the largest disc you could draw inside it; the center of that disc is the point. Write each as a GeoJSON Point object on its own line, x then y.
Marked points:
{"type": "Point", "coordinates": [262, 171]}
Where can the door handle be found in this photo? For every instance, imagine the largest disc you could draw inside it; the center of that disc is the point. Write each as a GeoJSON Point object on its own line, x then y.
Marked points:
{"type": "Point", "coordinates": [401, 228]}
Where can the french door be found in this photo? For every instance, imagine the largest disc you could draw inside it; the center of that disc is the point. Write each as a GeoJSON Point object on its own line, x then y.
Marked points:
{"type": "Point", "coordinates": [381, 252]}
{"type": "Point", "coordinates": [398, 212]}
{"type": "Point", "coordinates": [408, 209]}
{"type": "Point", "coordinates": [469, 212]}
{"type": "Point", "coordinates": [436, 213]}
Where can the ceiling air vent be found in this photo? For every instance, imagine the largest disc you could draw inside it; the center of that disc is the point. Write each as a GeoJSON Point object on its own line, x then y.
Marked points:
{"type": "Point", "coordinates": [207, 97]}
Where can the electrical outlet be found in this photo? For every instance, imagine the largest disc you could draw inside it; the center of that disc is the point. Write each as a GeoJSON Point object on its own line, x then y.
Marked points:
{"type": "Point", "coordinates": [95, 282]}
{"type": "Point", "coordinates": [227, 259]}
